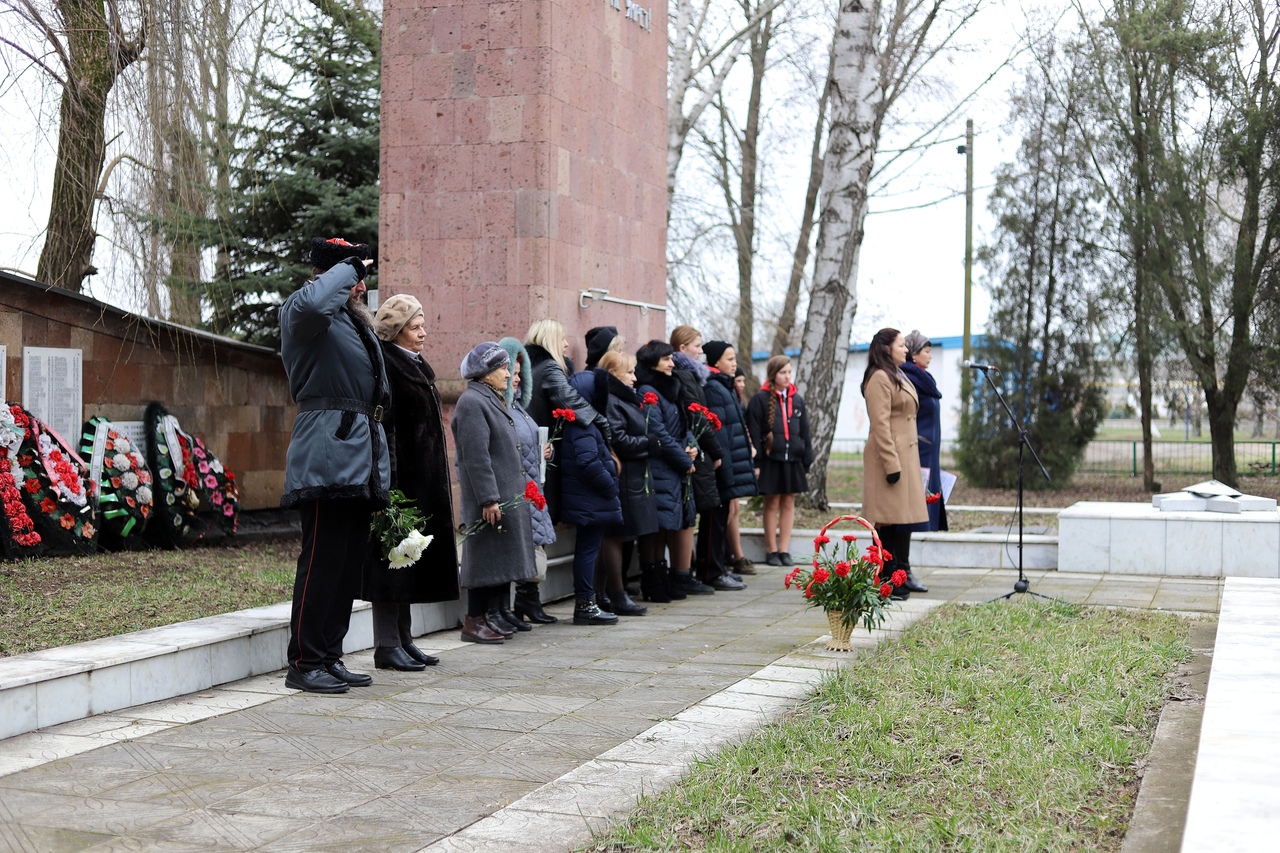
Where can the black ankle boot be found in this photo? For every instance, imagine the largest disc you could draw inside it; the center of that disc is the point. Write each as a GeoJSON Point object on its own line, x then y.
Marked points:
{"type": "Point", "coordinates": [652, 585]}
{"type": "Point", "coordinates": [668, 578]}
{"type": "Point", "coordinates": [529, 605]}
{"type": "Point", "coordinates": [604, 602]}
{"type": "Point", "coordinates": [624, 606]}
{"type": "Point", "coordinates": [587, 612]}
{"type": "Point", "coordinates": [493, 618]}
{"type": "Point", "coordinates": [513, 620]}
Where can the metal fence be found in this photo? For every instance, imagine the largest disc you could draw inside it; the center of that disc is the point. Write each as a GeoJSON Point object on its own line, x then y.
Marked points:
{"type": "Point", "coordinates": [1125, 457]}
{"type": "Point", "coordinates": [1175, 457]}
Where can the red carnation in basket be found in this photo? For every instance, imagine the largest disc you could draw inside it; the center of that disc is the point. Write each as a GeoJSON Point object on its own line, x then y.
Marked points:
{"type": "Point", "coordinates": [843, 569]}
{"type": "Point", "coordinates": [885, 590]}
{"type": "Point", "coordinates": [821, 575]}
{"type": "Point", "coordinates": [899, 577]}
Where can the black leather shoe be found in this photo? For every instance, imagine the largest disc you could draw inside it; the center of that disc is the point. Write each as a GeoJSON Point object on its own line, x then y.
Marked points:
{"type": "Point", "coordinates": [685, 582]}
{"type": "Point", "coordinates": [419, 655]}
{"type": "Point", "coordinates": [514, 621]}
{"type": "Point", "coordinates": [494, 620]}
{"type": "Point", "coordinates": [355, 679]}
{"type": "Point", "coordinates": [396, 658]}
{"type": "Point", "coordinates": [773, 558]}
{"type": "Point", "coordinates": [913, 584]}
{"type": "Point", "coordinates": [785, 558]}
{"type": "Point", "coordinates": [314, 681]}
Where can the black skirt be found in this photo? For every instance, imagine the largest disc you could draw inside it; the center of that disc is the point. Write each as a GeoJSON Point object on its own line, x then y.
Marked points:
{"type": "Point", "coordinates": [782, 478]}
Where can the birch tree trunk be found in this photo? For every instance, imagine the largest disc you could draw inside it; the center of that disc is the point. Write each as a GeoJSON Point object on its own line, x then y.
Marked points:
{"type": "Point", "coordinates": [857, 98]}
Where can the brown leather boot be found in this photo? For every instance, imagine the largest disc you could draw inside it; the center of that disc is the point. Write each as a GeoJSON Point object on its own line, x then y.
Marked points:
{"type": "Point", "coordinates": [478, 631]}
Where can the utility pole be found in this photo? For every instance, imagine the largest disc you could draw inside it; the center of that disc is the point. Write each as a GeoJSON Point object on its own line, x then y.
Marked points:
{"type": "Point", "coordinates": [967, 151]}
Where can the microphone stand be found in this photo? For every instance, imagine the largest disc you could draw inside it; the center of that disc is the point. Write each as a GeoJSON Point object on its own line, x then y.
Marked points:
{"type": "Point", "coordinates": [1022, 586]}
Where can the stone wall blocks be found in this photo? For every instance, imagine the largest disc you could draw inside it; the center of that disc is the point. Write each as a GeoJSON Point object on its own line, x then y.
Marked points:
{"type": "Point", "coordinates": [506, 119]}
{"type": "Point", "coordinates": [446, 32]}
{"type": "Point", "coordinates": [471, 121]}
{"type": "Point", "coordinates": [536, 213]}
{"type": "Point", "coordinates": [500, 216]}
{"type": "Point", "coordinates": [433, 75]}
{"type": "Point", "coordinates": [505, 25]}
{"type": "Point", "coordinates": [461, 214]}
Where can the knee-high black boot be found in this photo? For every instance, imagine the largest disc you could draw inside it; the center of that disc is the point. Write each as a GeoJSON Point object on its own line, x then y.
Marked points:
{"type": "Point", "coordinates": [891, 539]}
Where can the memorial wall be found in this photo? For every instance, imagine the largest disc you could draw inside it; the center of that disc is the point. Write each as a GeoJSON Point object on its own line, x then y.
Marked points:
{"type": "Point", "coordinates": [67, 357]}
{"type": "Point", "coordinates": [524, 168]}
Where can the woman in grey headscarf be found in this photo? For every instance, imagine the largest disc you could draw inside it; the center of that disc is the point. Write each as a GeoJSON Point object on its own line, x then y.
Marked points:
{"type": "Point", "coordinates": [490, 472]}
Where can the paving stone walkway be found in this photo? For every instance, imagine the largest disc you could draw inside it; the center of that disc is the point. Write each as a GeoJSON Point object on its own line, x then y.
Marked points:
{"type": "Point", "coordinates": [530, 745]}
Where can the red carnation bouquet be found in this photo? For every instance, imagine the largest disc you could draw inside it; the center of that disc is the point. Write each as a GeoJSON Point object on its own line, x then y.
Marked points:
{"type": "Point", "coordinates": [843, 580]}
{"type": "Point", "coordinates": [531, 495]}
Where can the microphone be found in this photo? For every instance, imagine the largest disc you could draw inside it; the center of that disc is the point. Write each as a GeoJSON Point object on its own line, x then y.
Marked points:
{"type": "Point", "coordinates": [973, 365]}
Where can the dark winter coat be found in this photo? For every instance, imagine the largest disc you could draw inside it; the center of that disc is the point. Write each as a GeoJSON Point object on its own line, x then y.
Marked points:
{"type": "Point", "coordinates": [736, 476]}
{"type": "Point", "coordinates": [668, 462]}
{"type": "Point", "coordinates": [692, 377]}
{"type": "Point", "coordinates": [489, 469]}
{"type": "Point", "coordinates": [544, 531]}
{"type": "Point", "coordinates": [420, 469]}
{"type": "Point", "coordinates": [929, 434]}
{"type": "Point", "coordinates": [551, 390]}
{"type": "Point", "coordinates": [338, 449]}
{"type": "Point", "coordinates": [791, 442]}
{"type": "Point", "coordinates": [633, 443]}
{"type": "Point", "coordinates": [589, 480]}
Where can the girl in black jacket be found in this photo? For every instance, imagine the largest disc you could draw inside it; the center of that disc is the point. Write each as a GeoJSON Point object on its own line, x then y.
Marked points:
{"type": "Point", "coordinates": [735, 477]}
{"type": "Point", "coordinates": [632, 444]}
{"type": "Point", "coordinates": [780, 432]}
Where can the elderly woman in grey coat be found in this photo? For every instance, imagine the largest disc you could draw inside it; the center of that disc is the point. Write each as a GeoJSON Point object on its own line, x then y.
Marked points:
{"type": "Point", "coordinates": [491, 473]}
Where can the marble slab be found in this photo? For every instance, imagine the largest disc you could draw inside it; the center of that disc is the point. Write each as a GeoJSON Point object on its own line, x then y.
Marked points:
{"type": "Point", "coordinates": [1140, 539]}
{"type": "Point", "coordinates": [1235, 792]}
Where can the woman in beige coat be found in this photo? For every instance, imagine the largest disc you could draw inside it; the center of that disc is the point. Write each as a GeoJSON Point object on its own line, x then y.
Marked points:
{"type": "Point", "coordinates": [892, 491]}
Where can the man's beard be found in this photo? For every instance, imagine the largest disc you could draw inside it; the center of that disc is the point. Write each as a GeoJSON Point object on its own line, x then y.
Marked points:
{"type": "Point", "coordinates": [359, 310]}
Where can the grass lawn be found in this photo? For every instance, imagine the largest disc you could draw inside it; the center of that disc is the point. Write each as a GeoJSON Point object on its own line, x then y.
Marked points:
{"type": "Point", "coordinates": [1022, 726]}
{"type": "Point", "coordinates": [60, 600]}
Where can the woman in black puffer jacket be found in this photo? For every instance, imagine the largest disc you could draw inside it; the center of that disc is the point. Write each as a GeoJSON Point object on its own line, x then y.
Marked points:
{"type": "Point", "coordinates": [632, 443]}
{"type": "Point", "coordinates": [735, 476]}
{"type": "Point", "coordinates": [588, 495]}
{"type": "Point", "coordinates": [691, 374]}
{"type": "Point", "coordinates": [669, 466]}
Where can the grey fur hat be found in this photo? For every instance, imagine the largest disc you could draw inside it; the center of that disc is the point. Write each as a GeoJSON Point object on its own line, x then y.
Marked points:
{"type": "Point", "coordinates": [523, 367]}
{"type": "Point", "coordinates": [485, 358]}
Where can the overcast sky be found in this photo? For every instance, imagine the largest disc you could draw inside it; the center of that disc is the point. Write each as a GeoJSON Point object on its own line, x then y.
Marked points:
{"type": "Point", "coordinates": [912, 270]}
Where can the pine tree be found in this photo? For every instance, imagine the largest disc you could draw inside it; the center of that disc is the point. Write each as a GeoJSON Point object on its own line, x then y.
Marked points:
{"type": "Point", "coordinates": [308, 167]}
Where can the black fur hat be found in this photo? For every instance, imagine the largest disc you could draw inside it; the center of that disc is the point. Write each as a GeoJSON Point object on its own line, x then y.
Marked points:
{"type": "Point", "coordinates": [326, 253]}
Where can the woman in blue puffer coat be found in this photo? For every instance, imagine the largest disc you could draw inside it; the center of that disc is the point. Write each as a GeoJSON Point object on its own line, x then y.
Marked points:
{"type": "Point", "coordinates": [528, 604]}
{"type": "Point", "coordinates": [670, 466]}
{"type": "Point", "coordinates": [735, 477]}
{"type": "Point", "coordinates": [588, 494]}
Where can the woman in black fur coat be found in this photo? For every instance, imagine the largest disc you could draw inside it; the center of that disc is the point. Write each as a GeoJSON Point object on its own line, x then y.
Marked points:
{"type": "Point", "coordinates": [420, 469]}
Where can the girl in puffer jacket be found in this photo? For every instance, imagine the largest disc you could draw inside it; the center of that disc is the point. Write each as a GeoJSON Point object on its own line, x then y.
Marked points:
{"type": "Point", "coordinates": [588, 494]}
{"type": "Point", "coordinates": [528, 604]}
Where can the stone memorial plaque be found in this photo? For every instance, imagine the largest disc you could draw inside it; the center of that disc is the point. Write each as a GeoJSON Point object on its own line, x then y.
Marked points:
{"type": "Point", "coordinates": [51, 388]}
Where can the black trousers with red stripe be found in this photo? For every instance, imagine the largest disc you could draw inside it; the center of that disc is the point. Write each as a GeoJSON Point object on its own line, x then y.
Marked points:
{"type": "Point", "coordinates": [335, 534]}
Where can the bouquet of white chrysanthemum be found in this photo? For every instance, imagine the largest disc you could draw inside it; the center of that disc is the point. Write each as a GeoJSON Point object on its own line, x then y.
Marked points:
{"type": "Point", "coordinates": [398, 529]}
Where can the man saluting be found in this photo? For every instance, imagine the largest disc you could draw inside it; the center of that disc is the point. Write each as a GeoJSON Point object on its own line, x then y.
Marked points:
{"type": "Point", "coordinates": [338, 470]}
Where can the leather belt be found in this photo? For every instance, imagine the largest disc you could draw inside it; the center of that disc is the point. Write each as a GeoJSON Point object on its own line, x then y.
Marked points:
{"type": "Point", "coordinates": [341, 404]}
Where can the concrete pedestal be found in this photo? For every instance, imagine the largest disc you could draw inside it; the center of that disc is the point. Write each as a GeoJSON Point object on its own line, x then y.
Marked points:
{"type": "Point", "coordinates": [1138, 539]}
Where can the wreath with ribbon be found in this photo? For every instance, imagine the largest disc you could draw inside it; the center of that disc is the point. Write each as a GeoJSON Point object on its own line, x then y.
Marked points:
{"type": "Point", "coordinates": [55, 488]}
{"type": "Point", "coordinates": [119, 468]}
{"type": "Point", "coordinates": [189, 479]}
{"type": "Point", "coordinates": [18, 532]}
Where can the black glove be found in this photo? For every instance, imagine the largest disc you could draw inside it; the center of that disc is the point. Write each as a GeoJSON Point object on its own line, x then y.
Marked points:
{"type": "Point", "coordinates": [358, 266]}
{"type": "Point", "coordinates": [893, 478]}
{"type": "Point", "coordinates": [655, 445]}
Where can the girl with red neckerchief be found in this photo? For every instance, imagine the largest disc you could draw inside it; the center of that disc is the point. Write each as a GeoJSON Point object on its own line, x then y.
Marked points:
{"type": "Point", "coordinates": [779, 430]}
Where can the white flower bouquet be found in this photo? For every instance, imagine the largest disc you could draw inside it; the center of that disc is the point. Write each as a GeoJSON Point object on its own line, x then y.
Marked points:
{"type": "Point", "coordinates": [398, 529]}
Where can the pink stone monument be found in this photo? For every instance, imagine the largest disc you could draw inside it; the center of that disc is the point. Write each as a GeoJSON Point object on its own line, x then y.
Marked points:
{"type": "Point", "coordinates": [523, 162]}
